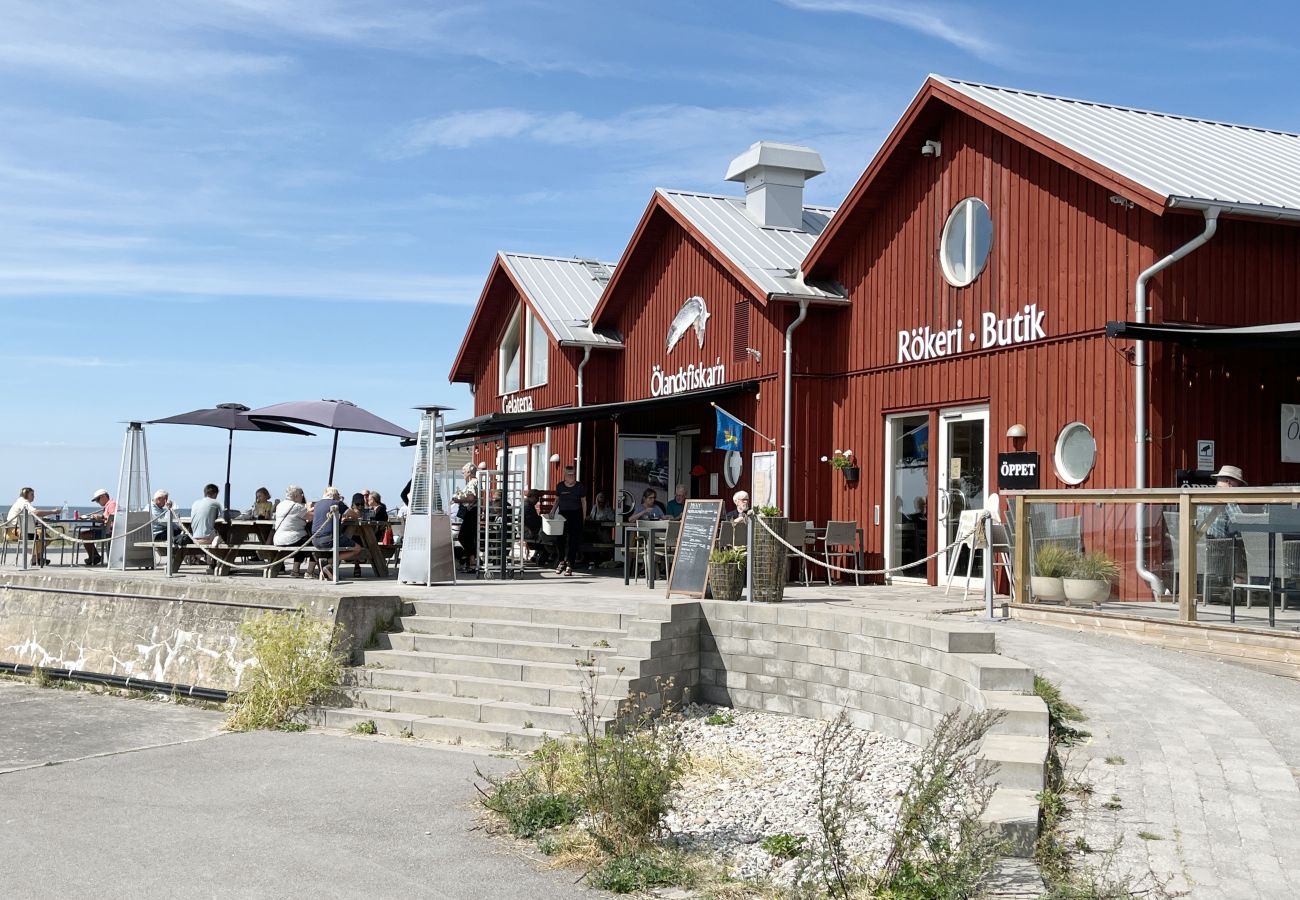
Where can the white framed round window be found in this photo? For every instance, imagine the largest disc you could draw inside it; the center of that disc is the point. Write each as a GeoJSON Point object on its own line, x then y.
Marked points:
{"type": "Point", "coordinates": [1076, 453]}
{"type": "Point", "coordinates": [966, 241]}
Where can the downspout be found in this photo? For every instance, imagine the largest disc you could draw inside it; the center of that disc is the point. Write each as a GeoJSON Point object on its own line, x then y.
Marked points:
{"type": "Point", "coordinates": [1140, 392]}
{"type": "Point", "coordinates": [786, 411]}
{"type": "Point", "coordinates": [577, 457]}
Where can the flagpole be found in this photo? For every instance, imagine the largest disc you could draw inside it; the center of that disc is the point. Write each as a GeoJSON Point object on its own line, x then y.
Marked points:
{"type": "Point", "coordinates": [744, 424]}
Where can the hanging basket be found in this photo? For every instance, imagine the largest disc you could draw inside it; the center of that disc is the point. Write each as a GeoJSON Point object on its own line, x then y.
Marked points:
{"type": "Point", "coordinates": [851, 474]}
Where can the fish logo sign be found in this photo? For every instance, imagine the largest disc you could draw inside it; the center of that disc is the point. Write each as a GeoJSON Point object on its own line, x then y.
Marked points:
{"type": "Point", "coordinates": [693, 314]}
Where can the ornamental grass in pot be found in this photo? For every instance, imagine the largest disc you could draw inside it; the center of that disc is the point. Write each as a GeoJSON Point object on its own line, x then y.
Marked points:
{"type": "Point", "coordinates": [770, 559]}
{"type": "Point", "coordinates": [1090, 578]}
{"type": "Point", "coordinates": [1052, 563]}
{"type": "Point", "coordinates": [727, 573]}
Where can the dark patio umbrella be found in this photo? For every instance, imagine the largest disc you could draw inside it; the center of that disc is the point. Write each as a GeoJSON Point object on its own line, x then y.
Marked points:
{"type": "Point", "coordinates": [340, 415]}
{"type": "Point", "coordinates": [230, 417]}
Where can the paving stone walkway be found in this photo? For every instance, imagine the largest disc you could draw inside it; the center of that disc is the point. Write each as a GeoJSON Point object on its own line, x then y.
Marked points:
{"type": "Point", "coordinates": [1191, 761]}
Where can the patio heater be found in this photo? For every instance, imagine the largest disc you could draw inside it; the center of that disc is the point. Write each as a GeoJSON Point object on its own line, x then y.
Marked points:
{"type": "Point", "coordinates": [133, 502]}
{"type": "Point", "coordinates": [427, 554]}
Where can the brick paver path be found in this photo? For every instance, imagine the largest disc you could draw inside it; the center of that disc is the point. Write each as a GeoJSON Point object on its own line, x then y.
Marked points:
{"type": "Point", "coordinates": [1205, 748]}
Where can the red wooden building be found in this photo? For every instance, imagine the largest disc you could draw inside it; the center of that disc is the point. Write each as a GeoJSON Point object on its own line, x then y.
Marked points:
{"type": "Point", "coordinates": [958, 298]}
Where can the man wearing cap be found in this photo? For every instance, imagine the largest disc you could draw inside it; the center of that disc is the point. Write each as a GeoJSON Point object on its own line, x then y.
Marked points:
{"type": "Point", "coordinates": [108, 509]}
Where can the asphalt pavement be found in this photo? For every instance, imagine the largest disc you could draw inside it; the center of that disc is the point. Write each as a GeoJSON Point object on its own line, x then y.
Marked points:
{"type": "Point", "coordinates": [108, 797]}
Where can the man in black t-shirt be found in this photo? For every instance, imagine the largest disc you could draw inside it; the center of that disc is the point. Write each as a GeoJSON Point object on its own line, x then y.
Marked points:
{"type": "Point", "coordinates": [571, 502]}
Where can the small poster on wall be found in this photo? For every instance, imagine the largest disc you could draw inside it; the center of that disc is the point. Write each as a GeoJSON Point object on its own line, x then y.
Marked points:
{"type": "Point", "coordinates": [763, 478]}
{"type": "Point", "coordinates": [1291, 432]}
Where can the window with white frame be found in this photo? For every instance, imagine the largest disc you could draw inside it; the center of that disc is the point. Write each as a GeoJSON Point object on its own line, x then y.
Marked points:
{"type": "Point", "coordinates": [966, 241]}
{"type": "Point", "coordinates": [537, 475]}
{"type": "Point", "coordinates": [509, 356]}
{"type": "Point", "coordinates": [538, 349]}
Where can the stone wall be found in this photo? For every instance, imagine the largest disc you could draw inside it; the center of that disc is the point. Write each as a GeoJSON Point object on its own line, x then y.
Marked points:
{"type": "Point", "coordinates": [169, 630]}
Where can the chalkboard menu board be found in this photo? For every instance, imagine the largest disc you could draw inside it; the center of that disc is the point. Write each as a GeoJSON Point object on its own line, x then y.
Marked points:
{"type": "Point", "coordinates": [690, 572]}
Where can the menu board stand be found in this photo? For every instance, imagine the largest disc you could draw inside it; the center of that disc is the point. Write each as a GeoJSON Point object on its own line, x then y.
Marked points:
{"type": "Point", "coordinates": [689, 575]}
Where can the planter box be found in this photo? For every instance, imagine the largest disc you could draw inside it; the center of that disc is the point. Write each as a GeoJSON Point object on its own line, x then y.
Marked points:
{"type": "Point", "coordinates": [726, 581]}
{"type": "Point", "coordinates": [1047, 590]}
{"type": "Point", "coordinates": [1081, 590]}
{"type": "Point", "coordinates": [769, 562]}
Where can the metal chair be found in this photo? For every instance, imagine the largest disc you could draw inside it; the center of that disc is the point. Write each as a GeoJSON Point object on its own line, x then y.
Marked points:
{"type": "Point", "coordinates": [665, 549]}
{"type": "Point", "coordinates": [1224, 564]}
{"type": "Point", "coordinates": [840, 543]}
{"type": "Point", "coordinates": [796, 535]}
{"type": "Point", "coordinates": [972, 534]}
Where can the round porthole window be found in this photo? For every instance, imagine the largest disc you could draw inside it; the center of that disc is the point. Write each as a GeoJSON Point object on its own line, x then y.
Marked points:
{"type": "Point", "coordinates": [966, 241]}
{"type": "Point", "coordinates": [1076, 453]}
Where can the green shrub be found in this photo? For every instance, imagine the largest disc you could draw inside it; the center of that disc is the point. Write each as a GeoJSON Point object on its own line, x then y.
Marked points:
{"type": "Point", "coordinates": [641, 871]}
{"type": "Point", "coordinates": [720, 719]}
{"type": "Point", "coordinates": [770, 512]}
{"type": "Point", "coordinates": [728, 556]}
{"type": "Point", "coordinates": [1054, 561]}
{"type": "Point", "coordinates": [785, 845]}
{"type": "Point", "coordinates": [295, 660]}
{"type": "Point", "coordinates": [1095, 566]}
{"type": "Point", "coordinates": [527, 807]}
{"type": "Point", "coordinates": [366, 727]}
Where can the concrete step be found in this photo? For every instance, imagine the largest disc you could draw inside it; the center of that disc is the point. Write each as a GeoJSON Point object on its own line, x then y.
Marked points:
{"type": "Point", "coordinates": [466, 709]}
{"type": "Point", "coordinates": [560, 696]}
{"type": "Point", "coordinates": [487, 667]}
{"type": "Point", "coordinates": [532, 651]}
{"type": "Point", "coordinates": [1019, 760]}
{"type": "Point", "coordinates": [505, 630]}
{"type": "Point", "coordinates": [1023, 714]}
{"type": "Point", "coordinates": [451, 731]}
{"type": "Point", "coordinates": [548, 615]}
{"type": "Point", "coordinates": [1014, 813]}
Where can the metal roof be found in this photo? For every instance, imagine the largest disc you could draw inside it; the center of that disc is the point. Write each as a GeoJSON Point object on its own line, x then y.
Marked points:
{"type": "Point", "coordinates": [769, 256]}
{"type": "Point", "coordinates": [564, 291]}
{"type": "Point", "coordinates": [1187, 161]}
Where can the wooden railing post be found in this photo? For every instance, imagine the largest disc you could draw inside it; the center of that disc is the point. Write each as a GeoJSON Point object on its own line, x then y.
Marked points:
{"type": "Point", "coordinates": [1023, 543]}
{"type": "Point", "coordinates": [1186, 559]}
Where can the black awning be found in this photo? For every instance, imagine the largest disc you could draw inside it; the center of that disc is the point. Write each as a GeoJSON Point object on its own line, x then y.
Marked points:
{"type": "Point", "coordinates": [500, 423]}
{"type": "Point", "coordinates": [1278, 336]}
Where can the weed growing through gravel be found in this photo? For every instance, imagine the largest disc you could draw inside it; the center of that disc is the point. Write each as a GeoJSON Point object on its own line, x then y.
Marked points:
{"type": "Point", "coordinates": [1115, 761]}
{"type": "Point", "coordinates": [366, 727]}
{"type": "Point", "coordinates": [296, 660]}
{"type": "Point", "coordinates": [785, 845]}
{"type": "Point", "coordinates": [721, 719]}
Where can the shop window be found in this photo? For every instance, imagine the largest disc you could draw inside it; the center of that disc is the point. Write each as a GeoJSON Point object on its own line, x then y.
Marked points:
{"type": "Point", "coordinates": [966, 241]}
{"type": "Point", "coordinates": [1076, 453]}
{"type": "Point", "coordinates": [510, 356]}
{"type": "Point", "coordinates": [537, 475]}
{"type": "Point", "coordinates": [539, 346]}
{"type": "Point", "coordinates": [740, 331]}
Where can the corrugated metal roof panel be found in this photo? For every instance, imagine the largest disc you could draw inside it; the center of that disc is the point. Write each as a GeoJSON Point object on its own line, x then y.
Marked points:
{"type": "Point", "coordinates": [1174, 156]}
{"type": "Point", "coordinates": [769, 256]}
{"type": "Point", "coordinates": [565, 292]}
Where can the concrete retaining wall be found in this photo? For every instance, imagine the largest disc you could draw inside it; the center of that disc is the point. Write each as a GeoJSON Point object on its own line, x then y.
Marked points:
{"type": "Point", "coordinates": [171, 631]}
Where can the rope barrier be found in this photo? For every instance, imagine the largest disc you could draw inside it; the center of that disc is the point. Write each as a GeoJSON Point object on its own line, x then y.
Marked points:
{"type": "Point", "coordinates": [51, 528]}
{"type": "Point", "coordinates": [961, 539]}
{"type": "Point", "coordinates": [259, 567]}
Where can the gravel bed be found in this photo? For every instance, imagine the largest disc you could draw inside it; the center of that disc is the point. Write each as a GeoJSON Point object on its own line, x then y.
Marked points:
{"type": "Point", "coordinates": [756, 777]}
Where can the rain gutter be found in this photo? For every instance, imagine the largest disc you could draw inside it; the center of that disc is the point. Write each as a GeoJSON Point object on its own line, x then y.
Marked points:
{"type": "Point", "coordinates": [577, 456]}
{"type": "Point", "coordinates": [786, 411]}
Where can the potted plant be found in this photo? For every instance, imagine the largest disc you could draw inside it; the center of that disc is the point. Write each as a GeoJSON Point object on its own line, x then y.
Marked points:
{"type": "Point", "coordinates": [770, 559]}
{"type": "Point", "coordinates": [727, 573]}
{"type": "Point", "coordinates": [1090, 577]}
{"type": "Point", "coordinates": [1052, 563]}
{"type": "Point", "coordinates": [845, 463]}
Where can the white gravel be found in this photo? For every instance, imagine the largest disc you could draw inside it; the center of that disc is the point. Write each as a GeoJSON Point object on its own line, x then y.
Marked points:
{"type": "Point", "coordinates": [756, 778]}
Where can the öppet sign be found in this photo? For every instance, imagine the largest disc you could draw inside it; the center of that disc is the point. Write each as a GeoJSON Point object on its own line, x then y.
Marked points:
{"type": "Point", "coordinates": [699, 531]}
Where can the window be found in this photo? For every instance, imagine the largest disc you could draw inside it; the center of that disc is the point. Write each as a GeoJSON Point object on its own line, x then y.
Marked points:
{"type": "Point", "coordinates": [539, 346]}
{"type": "Point", "coordinates": [510, 356]}
{"type": "Point", "coordinates": [537, 476]}
{"type": "Point", "coordinates": [1076, 453]}
{"type": "Point", "coordinates": [966, 241]}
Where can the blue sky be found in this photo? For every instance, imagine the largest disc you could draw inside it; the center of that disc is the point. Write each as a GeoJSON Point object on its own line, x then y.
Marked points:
{"type": "Point", "coordinates": [267, 200]}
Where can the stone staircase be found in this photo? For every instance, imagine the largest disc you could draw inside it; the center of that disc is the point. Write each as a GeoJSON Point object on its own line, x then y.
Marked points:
{"type": "Point", "coordinates": [487, 675]}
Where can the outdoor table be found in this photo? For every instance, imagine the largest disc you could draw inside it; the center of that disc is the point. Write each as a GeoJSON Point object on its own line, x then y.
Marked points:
{"type": "Point", "coordinates": [645, 535]}
{"type": "Point", "coordinates": [363, 531]}
{"type": "Point", "coordinates": [73, 527]}
{"type": "Point", "coordinates": [1283, 521]}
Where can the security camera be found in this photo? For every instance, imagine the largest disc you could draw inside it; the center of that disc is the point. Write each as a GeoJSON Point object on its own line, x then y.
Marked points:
{"type": "Point", "coordinates": [931, 149]}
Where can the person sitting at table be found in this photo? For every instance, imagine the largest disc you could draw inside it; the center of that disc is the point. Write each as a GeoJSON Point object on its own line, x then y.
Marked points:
{"type": "Point", "coordinates": [677, 505]}
{"type": "Point", "coordinates": [262, 507]}
{"type": "Point", "coordinates": [376, 509]}
{"type": "Point", "coordinates": [650, 510]}
{"type": "Point", "coordinates": [162, 505]}
{"type": "Point", "coordinates": [204, 514]}
{"type": "Point", "coordinates": [601, 511]}
{"type": "Point", "coordinates": [108, 509]}
{"type": "Point", "coordinates": [13, 525]}
{"type": "Point", "coordinates": [534, 538]}
{"type": "Point", "coordinates": [329, 514]}
{"type": "Point", "coordinates": [741, 499]}
{"type": "Point", "coordinates": [291, 518]}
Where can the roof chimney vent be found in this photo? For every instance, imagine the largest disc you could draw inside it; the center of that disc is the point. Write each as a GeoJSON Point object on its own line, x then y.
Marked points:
{"type": "Point", "coordinates": [774, 175]}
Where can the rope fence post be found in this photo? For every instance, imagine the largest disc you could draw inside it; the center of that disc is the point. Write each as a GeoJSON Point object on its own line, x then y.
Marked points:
{"type": "Point", "coordinates": [987, 526]}
{"type": "Point", "coordinates": [22, 526]}
{"type": "Point", "coordinates": [334, 550]}
{"type": "Point", "coordinates": [170, 538]}
{"type": "Point", "coordinates": [749, 554]}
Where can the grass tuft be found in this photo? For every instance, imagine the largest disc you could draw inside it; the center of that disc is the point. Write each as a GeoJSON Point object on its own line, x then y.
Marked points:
{"type": "Point", "coordinates": [296, 660]}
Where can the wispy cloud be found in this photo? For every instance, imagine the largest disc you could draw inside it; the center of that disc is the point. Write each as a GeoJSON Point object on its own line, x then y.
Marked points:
{"type": "Point", "coordinates": [942, 23]}
{"type": "Point", "coordinates": [68, 362]}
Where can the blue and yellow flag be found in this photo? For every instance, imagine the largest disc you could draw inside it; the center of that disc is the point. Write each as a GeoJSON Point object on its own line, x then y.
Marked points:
{"type": "Point", "coordinates": [729, 431]}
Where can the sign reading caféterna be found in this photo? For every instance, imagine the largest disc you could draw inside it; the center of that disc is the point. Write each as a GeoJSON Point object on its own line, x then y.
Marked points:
{"type": "Point", "coordinates": [517, 404]}
{"type": "Point", "coordinates": [1018, 472]}
{"type": "Point", "coordinates": [925, 343]}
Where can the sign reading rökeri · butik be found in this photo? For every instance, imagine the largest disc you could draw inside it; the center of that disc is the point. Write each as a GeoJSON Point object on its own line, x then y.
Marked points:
{"type": "Point", "coordinates": [1018, 472]}
{"type": "Point", "coordinates": [925, 343]}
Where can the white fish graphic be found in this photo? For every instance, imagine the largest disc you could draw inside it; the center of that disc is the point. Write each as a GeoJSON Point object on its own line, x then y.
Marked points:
{"type": "Point", "coordinates": [693, 314]}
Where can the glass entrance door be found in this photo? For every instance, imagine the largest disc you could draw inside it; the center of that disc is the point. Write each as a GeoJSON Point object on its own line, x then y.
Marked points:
{"type": "Point", "coordinates": [907, 494]}
{"type": "Point", "coordinates": [644, 462]}
{"type": "Point", "coordinates": [963, 477]}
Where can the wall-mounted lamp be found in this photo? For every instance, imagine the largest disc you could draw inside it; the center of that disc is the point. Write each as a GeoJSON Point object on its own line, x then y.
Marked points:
{"type": "Point", "coordinates": [1017, 431]}
{"type": "Point", "coordinates": [932, 149]}
{"type": "Point", "coordinates": [555, 457]}
{"type": "Point", "coordinates": [758, 356]}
